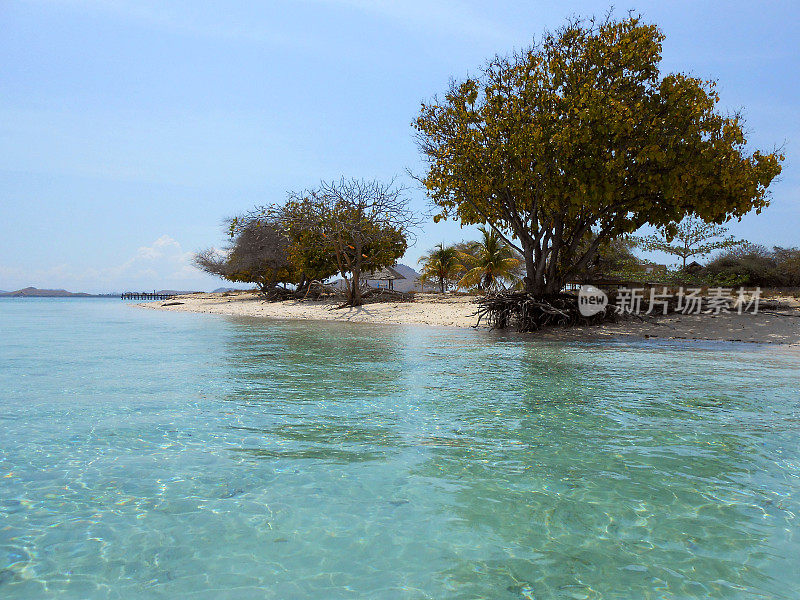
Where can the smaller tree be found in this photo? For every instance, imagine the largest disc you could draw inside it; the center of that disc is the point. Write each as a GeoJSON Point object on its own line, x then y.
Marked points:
{"type": "Point", "coordinates": [490, 262]}
{"type": "Point", "coordinates": [361, 225]}
{"type": "Point", "coordinates": [257, 254]}
{"type": "Point", "coordinates": [214, 262]}
{"type": "Point", "coordinates": [747, 264]}
{"type": "Point", "coordinates": [690, 237]}
{"type": "Point", "coordinates": [753, 264]}
{"type": "Point", "coordinates": [787, 265]}
{"type": "Point", "coordinates": [441, 265]}
{"type": "Point", "coordinates": [310, 250]}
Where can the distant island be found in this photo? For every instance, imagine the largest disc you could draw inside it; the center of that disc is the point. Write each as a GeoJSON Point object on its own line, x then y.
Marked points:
{"type": "Point", "coordinates": [32, 292]}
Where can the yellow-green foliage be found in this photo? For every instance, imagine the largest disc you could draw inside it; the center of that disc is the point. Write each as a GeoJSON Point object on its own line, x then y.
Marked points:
{"type": "Point", "coordinates": [582, 131]}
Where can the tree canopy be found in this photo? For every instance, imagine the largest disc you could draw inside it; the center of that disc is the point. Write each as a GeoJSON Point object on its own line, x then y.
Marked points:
{"type": "Point", "coordinates": [358, 225]}
{"type": "Point", "coordinates": [690, 237]}
{"type": "Point", "coordinates": [581, 133]}
{"type": "Point", "coordinates": [754, 265]}
{"type": "Point", "coordinates": [258, 254]}
{"type": "Point", "coordinates": [614, 257]}
{"type": "Point", "coordinates": [441, 265]}
{"type": "Point", "coordinates": [490, 263]}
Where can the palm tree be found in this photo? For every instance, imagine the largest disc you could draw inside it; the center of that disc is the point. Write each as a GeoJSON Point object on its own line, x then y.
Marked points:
{"type": "Point", "coordinates": [491, 260]}
{"type": "Point", "coordinates": [440, 264]}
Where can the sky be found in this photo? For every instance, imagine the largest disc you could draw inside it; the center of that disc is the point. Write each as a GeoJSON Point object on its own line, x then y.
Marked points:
{"type": "Point", "coordinates": [130, 129]}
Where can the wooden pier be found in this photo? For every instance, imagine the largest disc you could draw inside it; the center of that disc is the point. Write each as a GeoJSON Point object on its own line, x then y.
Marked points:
{"type": "Point", "coordinates": [145, 296]}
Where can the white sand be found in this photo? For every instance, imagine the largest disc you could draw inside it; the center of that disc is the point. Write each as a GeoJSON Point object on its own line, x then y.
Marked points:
{"type": "Point", "coordinates": [428, 309]}
{"type": "Point", "coordinates": [459, 311]}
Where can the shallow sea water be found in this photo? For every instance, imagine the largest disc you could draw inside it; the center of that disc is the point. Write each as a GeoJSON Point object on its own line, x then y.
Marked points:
{"type": "Point", "coordinates": [153, 455]}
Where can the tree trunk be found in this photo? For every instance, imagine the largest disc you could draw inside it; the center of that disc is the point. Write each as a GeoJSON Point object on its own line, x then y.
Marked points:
{"type": "Point", "coordinates": [266, 287]}
{"type": "Point", "coordinates": [355, 290]}
{"type": "Point", "coordinates": [553, 279]}
{"type": "Point", "coordinates": [534, 280]}
{"type": "Point", "coordinates": [553, 285]}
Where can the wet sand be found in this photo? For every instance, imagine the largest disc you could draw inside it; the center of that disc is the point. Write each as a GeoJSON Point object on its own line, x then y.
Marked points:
{"type": "Point", "coordinates": [460, 311]}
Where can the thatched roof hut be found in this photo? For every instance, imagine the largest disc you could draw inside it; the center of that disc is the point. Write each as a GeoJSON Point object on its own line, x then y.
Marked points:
{"type": "Point", "coordinates": [387, 274]}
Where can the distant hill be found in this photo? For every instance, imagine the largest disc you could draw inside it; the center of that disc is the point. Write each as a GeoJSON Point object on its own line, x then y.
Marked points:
{"type": "Point", "coordinates": [32, 292]}
{"type": "Point", "coordinates": [411, 281]}
{"type": "Point", "coordinates": [227, 289]}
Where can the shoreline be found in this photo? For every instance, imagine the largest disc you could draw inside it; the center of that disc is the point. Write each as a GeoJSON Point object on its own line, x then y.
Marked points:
{"type": "Point", "coordinates": [459, 311]}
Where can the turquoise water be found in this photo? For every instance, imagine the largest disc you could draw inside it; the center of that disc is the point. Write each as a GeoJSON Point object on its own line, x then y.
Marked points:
{"type": "Point", "coordinates": [152, 455]}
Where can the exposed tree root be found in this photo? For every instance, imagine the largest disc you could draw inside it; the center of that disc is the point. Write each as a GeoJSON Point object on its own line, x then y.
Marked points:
{"type": "Point", "coordinates": [529, 313]}
{"type": "Point", "coordinates": [317, 291]}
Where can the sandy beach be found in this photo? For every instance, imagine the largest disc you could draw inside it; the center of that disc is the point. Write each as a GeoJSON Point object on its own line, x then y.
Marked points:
{"type": "Point", "coordinates": [774, 324]}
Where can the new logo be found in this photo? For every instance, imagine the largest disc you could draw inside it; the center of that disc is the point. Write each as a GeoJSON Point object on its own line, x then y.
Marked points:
{"type": "Point", "coordinates": [591, 300]}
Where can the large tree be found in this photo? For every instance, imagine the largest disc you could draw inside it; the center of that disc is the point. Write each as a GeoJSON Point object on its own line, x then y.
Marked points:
{"type": "Point", "coordinates": [580, 137]}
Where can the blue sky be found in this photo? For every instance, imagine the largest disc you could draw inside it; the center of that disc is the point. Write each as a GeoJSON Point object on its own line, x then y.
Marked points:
{"type": "Point", "coordinates": [130, 129]}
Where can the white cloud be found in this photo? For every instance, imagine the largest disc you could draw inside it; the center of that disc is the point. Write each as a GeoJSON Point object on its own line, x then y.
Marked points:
{"type": "Point", "coordinates": [163, 246]}
{"type": "Point", "coordinates": [164, 259]}
{"type": "Point", "coordinates": [163, 264]}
